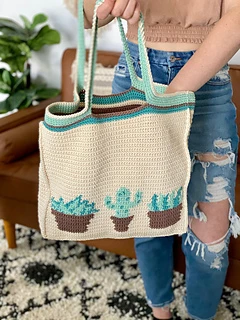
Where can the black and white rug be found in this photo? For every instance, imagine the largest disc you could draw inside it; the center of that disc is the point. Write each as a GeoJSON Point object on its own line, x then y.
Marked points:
{"type": "Point", "coordinates": [52, 280]}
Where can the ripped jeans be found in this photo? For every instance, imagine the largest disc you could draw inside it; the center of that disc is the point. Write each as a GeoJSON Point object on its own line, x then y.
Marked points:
{"type": "Point", "coordinates": [213, 133]}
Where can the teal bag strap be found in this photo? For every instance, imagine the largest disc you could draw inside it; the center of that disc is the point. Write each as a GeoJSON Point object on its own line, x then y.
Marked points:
{"type": "Point", "coordinates": [155, 95]}
{"type": "Point", "coordinates": [152, 95]}
{"type": "Point", "coordinates": [80, 58]}
{"type": "Point", "coordinates": [145, 84]}
{"type": "Point", "coordinates": [135, 81]}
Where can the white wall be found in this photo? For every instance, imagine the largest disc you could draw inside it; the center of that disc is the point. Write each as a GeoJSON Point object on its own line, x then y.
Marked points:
{"type": "Point", "coordinates": [46, 64]}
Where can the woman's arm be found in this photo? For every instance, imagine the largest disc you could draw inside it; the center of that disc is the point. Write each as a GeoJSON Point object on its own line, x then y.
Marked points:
{"type": "Point", "coordinates": [215, 51]}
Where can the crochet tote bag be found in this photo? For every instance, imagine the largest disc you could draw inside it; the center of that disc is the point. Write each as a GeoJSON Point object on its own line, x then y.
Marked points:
{"type": "Point", "coordinates": [115, 166]}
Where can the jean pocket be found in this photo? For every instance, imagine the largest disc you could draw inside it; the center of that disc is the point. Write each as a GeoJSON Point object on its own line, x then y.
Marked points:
{"type": "Point", "coordinates": [222, 77]}
{"type": "Point", "coordinates": [121, 69]}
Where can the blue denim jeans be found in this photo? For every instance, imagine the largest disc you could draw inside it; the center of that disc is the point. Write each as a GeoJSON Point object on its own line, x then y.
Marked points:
{"type": "Point", "coordinates": [213, 131]}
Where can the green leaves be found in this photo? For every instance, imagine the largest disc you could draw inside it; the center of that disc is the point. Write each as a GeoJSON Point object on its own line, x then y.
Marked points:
{"type": "Point", "coordinates": [5, 81]}
{"type": "Point", "coordinates": [26, 22]}
{"type": "Point", "coordinates": [38, 19]}
{"type": "Point", "coordinates": [44, 36]}
{"type": "Point", "coordinates": [20, 97]}
{"type": "Point", "coordinates": [12, 28]}
{"type": "Point", "coordinates": [3, 107]}
{"type": "Point", "coordinates": [46, 93]}
{"type": "Point", "coordinates": [12, 83]}
{"type": "Point", "coordinates": [15, 100]}
{"type": "Point", "coordinates": [16, 44]}
{"type": "Point", "coordinates": [14, 54]}
{"type": "Point", "coordinates": [6, 77]}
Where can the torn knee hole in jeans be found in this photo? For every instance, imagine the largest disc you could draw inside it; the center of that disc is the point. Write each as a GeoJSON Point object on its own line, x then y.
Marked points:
{"type": "Point", "coordinates": [210, 212]}
{"type": "Point", "coordinates": [213, 246]}
{"type": "Point", "coordinates": [224, 156]}
{"type": "Point", "coordinates": [218, 247]}
{"type": "Point", "coordinates": [218, 189]}
{"type": "Point", "coordinates": [220, 160]}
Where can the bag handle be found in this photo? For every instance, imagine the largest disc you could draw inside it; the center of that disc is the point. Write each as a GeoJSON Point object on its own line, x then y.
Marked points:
{"type": "Point", "coordinates": [145, 84]}
{"type": "Point", "coordinates": [152, 95]}
{"type": "Point", "coordinates": [80, 58]}
{"type": "Point", "coordinates": [135, 80]}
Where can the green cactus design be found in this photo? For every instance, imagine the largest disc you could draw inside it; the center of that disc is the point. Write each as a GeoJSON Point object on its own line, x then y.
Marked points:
{"type": "Point", "coordinates": [178, 198]}
{"type": "Point", "coordinates": [76, 207]}
{"type": "Point", "coordinates": [163, 202]}
{"type": "Point", "coordinates": [171, 199]}
{"type": "Point", "coordinates": [154, 202]}
{"type": "Point", "coordinates": [123, 203]}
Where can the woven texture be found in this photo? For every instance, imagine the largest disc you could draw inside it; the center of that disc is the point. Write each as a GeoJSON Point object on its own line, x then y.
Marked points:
{"type": "Point", "coordinates": [115, 166]}
{"type": "Point", "coordinates": [146, 153]}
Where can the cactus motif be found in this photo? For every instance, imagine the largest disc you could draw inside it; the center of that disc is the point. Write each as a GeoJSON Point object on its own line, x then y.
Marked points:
{"type": "Point", "coordinates": [165, 202]}
{"type": "Point", "coordinates": [178, 198]}
{"type": "Point", "coordinates": [165, 209]}
{"type": "Point", "coordinates": [76, 207]}
{"type": "Point", "coordinates": [123, 202]}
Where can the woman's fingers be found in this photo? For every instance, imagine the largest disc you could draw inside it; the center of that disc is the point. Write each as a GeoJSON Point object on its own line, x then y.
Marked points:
{"type": "Point", "coordinates": [135, 17]}
{"type": "Point", "coordinates": [129, 10]}
{"type": "Point", "coordinates": [126, 9]}
{"type": "Point", "coordinates": [105, 9]}
{"type": "Point", "coordinates": [120, 7]}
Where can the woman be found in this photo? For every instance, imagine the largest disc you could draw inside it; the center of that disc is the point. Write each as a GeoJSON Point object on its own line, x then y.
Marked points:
{"type": "Point", "coordinates": [189, 44]}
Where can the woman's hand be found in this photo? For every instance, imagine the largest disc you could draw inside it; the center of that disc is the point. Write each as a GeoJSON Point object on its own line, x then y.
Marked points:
{"type": "Point", "coordinates": [126, 9]}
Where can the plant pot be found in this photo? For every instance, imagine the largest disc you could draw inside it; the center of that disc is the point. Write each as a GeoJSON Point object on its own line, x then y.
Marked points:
{"type": "Point", "coordinates": [165, 219]}
{"type": "Point", "coordinates": [121, 224]}
{"type": "Point", "coordinates": [71, 223]}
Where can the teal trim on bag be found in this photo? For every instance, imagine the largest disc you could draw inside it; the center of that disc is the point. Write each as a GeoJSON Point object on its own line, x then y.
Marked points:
{"type": "Point", "coordinates": [131, 95]}
{"type": "Point", "coordinates": [68, 109]}
{"type": "Point", "coordinates": [92, 120]}
{"type": "Point", "coordinates": [66, 115]}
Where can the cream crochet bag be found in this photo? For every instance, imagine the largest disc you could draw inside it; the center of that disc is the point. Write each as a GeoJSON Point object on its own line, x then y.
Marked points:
{"type": "Point", "coordinates": [115, 166]}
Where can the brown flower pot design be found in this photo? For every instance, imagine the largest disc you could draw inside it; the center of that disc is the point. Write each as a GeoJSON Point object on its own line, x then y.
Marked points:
{"type": "Point", "coordinates": [164, 219]}
{"type": "Point", "coordinates": [121, 224]}
{"type": "Point", "coordinates": [71, 223]}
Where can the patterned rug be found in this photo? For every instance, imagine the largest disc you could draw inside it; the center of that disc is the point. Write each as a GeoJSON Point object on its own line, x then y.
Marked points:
{"type": "Point", "coordinates": [52, 280]}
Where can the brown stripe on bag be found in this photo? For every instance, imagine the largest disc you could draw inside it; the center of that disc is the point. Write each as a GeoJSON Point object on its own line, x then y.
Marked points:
{"type": "Point", "coordinates": [103, 113]}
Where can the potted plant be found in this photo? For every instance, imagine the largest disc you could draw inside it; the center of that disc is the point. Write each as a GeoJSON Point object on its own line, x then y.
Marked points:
{"type": "Point", "coordinates": [73, 216]}
{"type": "Point", "coordinates": [122, 207]}
{"type": "Point", "coordinates": [165, 210]}
{"type": "Point", "coordinates": [16, 45]}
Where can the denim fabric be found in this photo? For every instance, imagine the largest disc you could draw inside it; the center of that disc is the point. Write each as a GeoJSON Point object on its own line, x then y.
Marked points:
{"type": "Point", "coordinates": [213, 130]}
